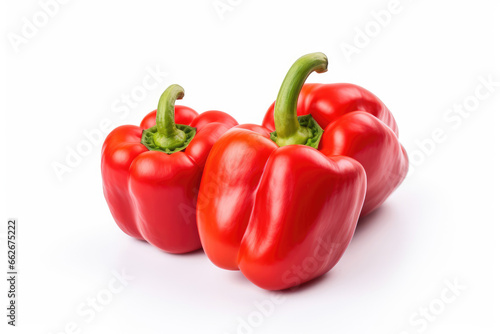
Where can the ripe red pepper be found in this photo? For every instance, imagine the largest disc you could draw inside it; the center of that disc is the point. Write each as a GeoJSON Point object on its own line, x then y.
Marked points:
{"type": "Point", "coordinates": [151, 173]}
{"type": "Point", "coordinates": [274, 206]}
{"type": "Point", "coordinates": [358, 125]}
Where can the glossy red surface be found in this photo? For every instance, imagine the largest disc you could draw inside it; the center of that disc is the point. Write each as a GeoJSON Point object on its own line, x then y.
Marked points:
{"type": "Point", "coordinates": [283, 216]}
{"type": "Point", "coordinates": [358, 125]}
{"type": "Point", "coordinates": [152, 195]}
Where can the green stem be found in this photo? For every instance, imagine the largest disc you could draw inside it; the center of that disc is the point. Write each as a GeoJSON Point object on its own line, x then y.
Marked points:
{"type": "Point", "coordinates": [288, 129]}
{"type": "Point", "coordinates": [165, 114]}
{"type": "Point", "coordinates": [166, 136]}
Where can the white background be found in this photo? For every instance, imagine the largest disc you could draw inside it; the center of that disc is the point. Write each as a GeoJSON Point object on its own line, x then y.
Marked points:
{"type": "Point", "coordinates": [440, 226]}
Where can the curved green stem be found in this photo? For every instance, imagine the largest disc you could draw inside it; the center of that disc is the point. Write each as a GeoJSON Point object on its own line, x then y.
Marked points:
{"type": "Point", "coordinates": [166, 136]}
{"type": "Point", "coordinates": [288, 129]}
{"type": "Point", "coordinates": [165, 114]}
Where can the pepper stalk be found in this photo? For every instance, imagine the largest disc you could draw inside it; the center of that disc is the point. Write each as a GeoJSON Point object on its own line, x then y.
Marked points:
{"type": "Point", "coordinates": [166, 136]}
{"type": "Point", "coordinates": [290, 129]}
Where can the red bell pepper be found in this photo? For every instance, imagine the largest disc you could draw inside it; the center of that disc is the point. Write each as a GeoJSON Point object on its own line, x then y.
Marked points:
{"type": "Point", "coordinates": [358, 125]}
{"type": "Point", "coordinates": [151, 173]}
{"type": "Point", "coordinates": [274, 206]}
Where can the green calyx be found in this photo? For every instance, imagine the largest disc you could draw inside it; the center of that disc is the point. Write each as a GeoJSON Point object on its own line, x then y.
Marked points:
{"type": "Point", "coordinates": [290, 129]}
{"type": "Point", "coordinates": [155, 141]}
{"type": "Point", "coordinates": [313, 136]}
{"type": "Point", "coordinates": [166, 136]}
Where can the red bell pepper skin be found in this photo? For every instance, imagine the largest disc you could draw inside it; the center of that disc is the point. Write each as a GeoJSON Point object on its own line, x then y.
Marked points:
{"type": "Point", "coordinates": [276, 207]}
{"type": "Point", "coordinates": [358, 125]}
{"type": "Point", "coordinates": [151, 185]}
